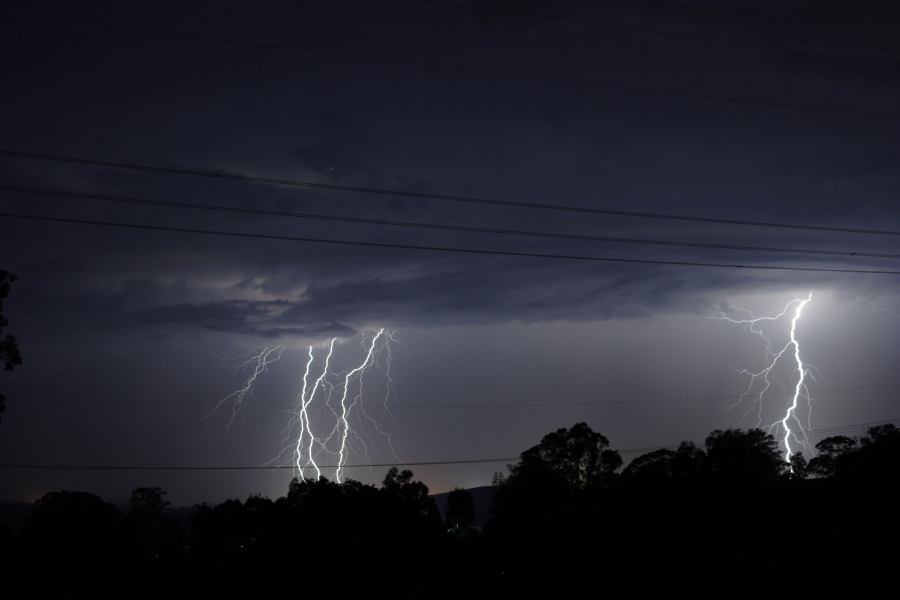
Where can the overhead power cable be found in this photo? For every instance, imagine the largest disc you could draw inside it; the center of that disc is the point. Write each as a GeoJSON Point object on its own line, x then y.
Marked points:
{"type": "Point", "coordinates": [466, 405]}
{"type": "Point", "coordinates": [432, 196]}
{"type": "Point", "coordinates": [584, 83]}
{"type": "Point", "coordinates": [465, 461]}
{"type": "Point", "coordinates": [64, 467]}
{"type": "Point", "coordinates": [448, 249]}
{"type": "Point", "coordinates": [432, 226]}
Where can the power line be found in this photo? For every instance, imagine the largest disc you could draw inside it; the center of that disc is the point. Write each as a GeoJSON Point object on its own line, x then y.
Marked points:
{"type": "Point", "coordinates": [473, 405]}
{"type": "Point", "coordinates": [62, 467]}
{"type": "Point", "coordinates": [457, 69]}
{"type": "Point", "coordinates": [851, 427]}
{"type": "Point", "coordinates": [887, 61]}
{"type": "Point", "coordinates": [466, 461]}
{"type": "Point", "coordinates": [431, 196]}
{"type": "Point", "coordinates": [432, 226]}
{"type": "Point", "coordinates": [448, 249]}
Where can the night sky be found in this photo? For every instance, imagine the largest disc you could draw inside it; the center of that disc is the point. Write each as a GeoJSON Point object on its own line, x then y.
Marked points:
{"type": "Point", "coordinates": [126, 335]}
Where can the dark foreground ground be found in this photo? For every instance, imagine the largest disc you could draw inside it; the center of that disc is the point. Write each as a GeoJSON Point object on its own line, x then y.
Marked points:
{"type": "Point", "coordinates": [728, 520]}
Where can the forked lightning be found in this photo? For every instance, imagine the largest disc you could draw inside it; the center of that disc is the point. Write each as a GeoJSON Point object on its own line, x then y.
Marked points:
{"type": "Point", "coordinates": [336, 397]}
{"type": "Point", "coordinates": [790, 424]}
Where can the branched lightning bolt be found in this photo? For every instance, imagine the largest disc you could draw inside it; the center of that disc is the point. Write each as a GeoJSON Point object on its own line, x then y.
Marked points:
{"type": "Point", "coordinates": [790, 418]}
{"type": "Point", "coordinates": [800, 388]}
{"type": "Point", "coordinates": [305, 426]}
{"type": "Point", "coordinates": [337, 395]}
{"type": "Point", "coordinates": [343, 423]}
{"type": "Point", "coordinates": [260, 362]}
{"type": "Point", "coordinates": [385, 406]}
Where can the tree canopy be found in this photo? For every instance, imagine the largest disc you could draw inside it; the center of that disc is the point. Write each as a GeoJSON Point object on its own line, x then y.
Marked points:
{"type": "Point", "coordinates": [565, 523]}
{"type": "Point", "coordinates": [577, 456]}
{"type": "Point", "coordinates": [10, 357]}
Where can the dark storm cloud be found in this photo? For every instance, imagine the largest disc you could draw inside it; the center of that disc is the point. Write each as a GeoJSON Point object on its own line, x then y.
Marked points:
{"type": "Point", "coordinates": [509, 292]}
{"type": "Point", "coordinates": [336, 149]}
{"type": "Point", "coordinates": [866, 23]}
{"type": "Point", "coordinates": [864, 29]}
{"type": "Point", "coordinates": [502, 14]}
{"type": "Point", "coordinates": [233, 316]}
{"type": "Point", "coordinates": [418, 130]}
{"type": "Point", "coordinates": [506, 292]}
{"type": "Point", "coordinates": [240, 317]}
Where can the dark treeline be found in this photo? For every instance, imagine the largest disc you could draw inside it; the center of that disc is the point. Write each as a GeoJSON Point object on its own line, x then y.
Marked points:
{"type": "Point", "coordinates": [728, 519]}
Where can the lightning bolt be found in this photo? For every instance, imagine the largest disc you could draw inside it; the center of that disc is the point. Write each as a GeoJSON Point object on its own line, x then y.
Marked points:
{"type": "Point", "coordinates": [800, 388]}
{"type": "Point", "coordinates": [791, 349]}
{"type": "Point", "coordinates": [302, 414]}
{"type": "Point", "coordinates": [260, 362]}
{"type": "Point", "coordinates": [337, 393]}
{"type": "Point", "coordinates": [343, 423]}
{"type": "Point", "coordinates": [385, 406]}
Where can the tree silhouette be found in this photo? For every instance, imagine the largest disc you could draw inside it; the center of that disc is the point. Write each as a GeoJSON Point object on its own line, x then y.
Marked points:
{"type": "Point", "coordinates": [77, 533]}
{"type": "Point", "coordinates": [149, 527]}
{"type": "Point", "coordinates": [880, 434]}
{"type": "Point", "coordinates": [799, 467]}
{"type": "Point", "coordinates": [400, 487]}
{"type": "Point", "coordinates": [10, 356]}
{"type": "Point", "coordinates": [403, 485]}
{"type": "Point", "coordinates": [652, 468]}
{"type": "Point", "coordinates": [551, 503]}
{"type": "Point", "coordinates": [743, 456]}
{"type": "Point", "coordinates": [873, 461]}
{"type": "Point", "coordinates": [460, 511]}
{"type": "Point", "coordinates": [563, 524]}
{"type": "Point", "coordinates": [831, 450]}
{"type": "Point", "coordinates": [578, 456]}
{"type": "Point", "coordinates": [688, 461]}
{"type": "Point", "coordinates": [148, 500]}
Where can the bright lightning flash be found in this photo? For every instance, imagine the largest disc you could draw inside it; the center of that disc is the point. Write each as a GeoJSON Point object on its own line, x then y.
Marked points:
{"type": "Point", "coordinates": [259, 362]}
{"type": "Point", "coordinates": [790, 424]}
{"type": "Point", "coordinates": [338, 395]}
